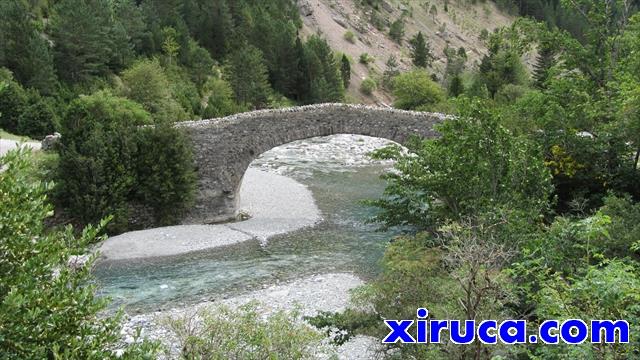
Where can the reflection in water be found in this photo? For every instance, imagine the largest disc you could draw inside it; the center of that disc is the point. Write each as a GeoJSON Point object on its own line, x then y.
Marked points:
{"type": "Point", "coordinates": [343, 242]}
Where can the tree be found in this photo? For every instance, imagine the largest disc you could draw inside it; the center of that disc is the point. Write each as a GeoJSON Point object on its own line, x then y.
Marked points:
{"type": "Point", "coordinates": [48, 306]}
{"type": "Point", "coordinates": [415, 90]}
{"type": "Point", "coordinates": [22, 49]}
{"type": "Point", "coordinates": [220, 101]}
{"type": "Point", "coordinates": [433, 11]}
{"type": "Point", "coordinates": [146, 83]}
{"type": "Point", "coordinates": [390, 72]}
{"type": "Point", "coordinates": [13, 101]}
{"type": "Point", "coordinates": [456, 87]}
{"type": "Point", "coordinates": [39, 118]}
{"type": "Point", "coordinates": [323, 72]}
{"type": "Point", "coordinates": [396, 30]}
{"type": "Point", "coordinates": [544, 61]}
{"type": "Point", "coordinates": [476, 167]}
{"type": "Point", "coordinates": [96, 170]}
{"type": "Point", "coordinates": [421, 51]}
{"type": "Point", "coordinates": [345, 70]}
{"type": "Point", "coordinates": [165, 176]}
{"type": "Point", "coordinates": [88, 42]}
{"type": "Point", "coordinates": [248, 77]}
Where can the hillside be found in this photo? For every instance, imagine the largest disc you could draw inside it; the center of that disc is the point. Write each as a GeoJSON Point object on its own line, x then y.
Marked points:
{"type": "Point", "coordinates": [460, 26]}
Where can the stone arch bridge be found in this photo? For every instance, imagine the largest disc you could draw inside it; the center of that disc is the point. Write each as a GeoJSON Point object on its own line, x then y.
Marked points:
{"type": "Point", "coordinates": [224, 147]}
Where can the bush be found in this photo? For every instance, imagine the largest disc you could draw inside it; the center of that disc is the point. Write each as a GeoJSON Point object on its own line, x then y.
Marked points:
{"type": "Point", "coordinates": [366, 58]}
{"type": "Point", "coordinates": [97, 149]}
{"type": "Point", "coordinates": [38, 119]}
{"type": "Point", "coordinates": [223, 333]}
{"type": "Point", "coordinates": [350, 36]}
{"type": "Point", "coordinates": [367, 86]}
{"type": "Point", "coordinates": [13, 101]}
{"type": "Point", "coordinates": [165, 176]}
{"type": "Point", "coordinates": [416, 89]}
{"type": "Point", "coordinates": [108, 163]}
{"type": "Point", "coordinates": [48, 309]}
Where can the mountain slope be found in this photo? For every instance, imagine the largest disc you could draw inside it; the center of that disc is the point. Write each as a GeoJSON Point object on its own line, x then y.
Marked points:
{"type": "Point", "coordinates": [460, 26]}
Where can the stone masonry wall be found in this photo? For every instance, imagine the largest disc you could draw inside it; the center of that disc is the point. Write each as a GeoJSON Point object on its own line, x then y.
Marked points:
{"type": "Point", "coordinates": [224, 147]}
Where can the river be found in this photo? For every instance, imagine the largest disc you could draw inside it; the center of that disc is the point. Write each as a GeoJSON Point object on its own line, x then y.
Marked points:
{"type": "Point", "coordinates": [340, 176]}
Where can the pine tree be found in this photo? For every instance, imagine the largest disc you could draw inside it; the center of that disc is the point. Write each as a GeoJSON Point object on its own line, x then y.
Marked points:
{"type": "Point", "coordinates": [455, 86]}
{"type": "Point", "coordinates": [544, 62]}
{"type": "Point", "coordinates": [22, 49]}
{"type": "Point", "coordinates": [86, 39]}
{"type": "Point", "coordinates": [421, 52]}
{"type": "Point", "coordinates": [345, 71]}
{"type": "Point", "coordinates": [396, 31]}
{"type": "Point", "coordinates": [248, 77]}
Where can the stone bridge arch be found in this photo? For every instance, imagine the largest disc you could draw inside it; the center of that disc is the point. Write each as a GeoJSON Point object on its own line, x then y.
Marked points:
{"type": "Point", "coordinates": [224, 147]}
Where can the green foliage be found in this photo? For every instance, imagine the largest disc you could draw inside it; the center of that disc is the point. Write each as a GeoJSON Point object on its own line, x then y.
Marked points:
{"type": "Point", "coordinates": [146, 83]}
{"type": "Point", "coordinates": [608, 292]}
{"type": "Point", "coordinates": [13, 101]}
{"type": "Point", "coordinates": [48, 308]}
{"type": "Point", "coordinates": [322, 72]}
{"type": "Point", "coordinates": [165, 177]}
{"type": "Point", "coordinates": [476, 167]}
{"type": "Point", "coordinates": [96, 170]}
{"type": "Point", "coordinates": [247, 74]}
{"type": "Point", "coordinates": [220, 101]}
{"type": "Point", "coordinates": [396, 30]}
{"type": "Point", "coordinates": [23, 49]}
{"type": "Point", "coordinates": [421, 51]}
{"type": "Point", "coordinates": [416, 90]}
{"type": "Point", "coordinates": [367, 86]}
{"type": "Point", "coordinates": [225, 333]}
{"type": "Point", "coordinates": [350, 36]}
{"type": "Point", "coordinates": [108, 163]}
{"type": "Point", "coordinates": [39, 118]}
{"type": "Point", "coordinates": [345, 70]}
{"type": "Point", "coordinates": [365, 59]}
{"type": "Point", "coordinates": [456, 87]}
{"type": "Point", "coordinates": [88, 40]}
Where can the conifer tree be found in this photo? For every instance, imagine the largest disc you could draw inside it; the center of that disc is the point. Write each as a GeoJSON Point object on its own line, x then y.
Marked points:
{"type": "Point", "coordinates": [345, 71]}
{"type": "Point", "coordinates": [544, 62]}
{"type": "Point", "coordinates": [421, 52]}
{"type": "Point", "coordinates": [248, 77]}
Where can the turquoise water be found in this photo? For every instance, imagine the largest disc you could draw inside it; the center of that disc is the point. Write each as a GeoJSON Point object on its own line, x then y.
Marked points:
{"type": "Point", "coordinates": [343, 242]}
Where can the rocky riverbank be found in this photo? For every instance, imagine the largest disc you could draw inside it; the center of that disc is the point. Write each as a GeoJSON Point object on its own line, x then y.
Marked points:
{"type": "Point", "coordinates": [276, 205]}
{"type": "Point", "coordinates": [310, 295]}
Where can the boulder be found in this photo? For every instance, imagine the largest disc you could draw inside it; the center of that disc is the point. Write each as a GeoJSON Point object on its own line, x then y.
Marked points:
{"type": "Point", "coordinates": [49, 142]}
{"type": "Point", "coordinates": [305, 8]}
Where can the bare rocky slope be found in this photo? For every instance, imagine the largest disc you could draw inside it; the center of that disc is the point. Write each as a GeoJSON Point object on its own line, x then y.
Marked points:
{"type": "Point", "coordinates": [460, 26]}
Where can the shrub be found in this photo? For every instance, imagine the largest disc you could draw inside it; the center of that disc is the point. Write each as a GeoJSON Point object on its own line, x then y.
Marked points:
{"type": "Point", "coordinates": [13, 101]}
{"type": "Point", "coordinates": [223, 333]}
{"type": "Point", "coordinates": [416, 89]}
{"type": "Point", "coordinates": [108, 163]}
{"type": "Point", "coordinates": [38, 119]}
{"type": "Point", "coordinates": [48, 309]}
{"type": "Point", "coordinates": [367, 86]}
{"type": "Point", "coordinates": [365, 58]}
{"type": "Point", "coordinates": [350, 36]}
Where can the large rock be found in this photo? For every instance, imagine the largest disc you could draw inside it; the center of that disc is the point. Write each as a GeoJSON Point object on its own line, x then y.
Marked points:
{"type": "Point", "coordinates": [49, 142]}
{"type": "Point", "coordinates": [306, 9]}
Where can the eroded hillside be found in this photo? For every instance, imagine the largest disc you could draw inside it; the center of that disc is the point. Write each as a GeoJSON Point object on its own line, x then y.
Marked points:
{"type": "Point", "coordinates": [459, 26]}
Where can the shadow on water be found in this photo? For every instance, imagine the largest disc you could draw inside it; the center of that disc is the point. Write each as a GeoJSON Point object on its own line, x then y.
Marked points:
{"type": "Point", "coordinates": [343, 242]}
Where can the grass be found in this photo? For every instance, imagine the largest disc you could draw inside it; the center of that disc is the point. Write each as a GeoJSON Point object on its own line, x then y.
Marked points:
{"type": "Point", "coordinates": [8, 136]}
